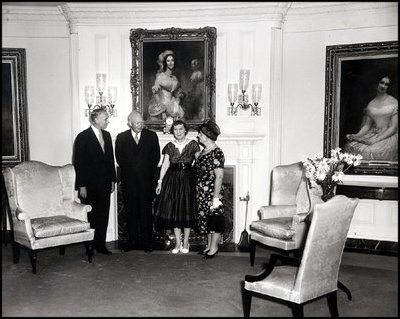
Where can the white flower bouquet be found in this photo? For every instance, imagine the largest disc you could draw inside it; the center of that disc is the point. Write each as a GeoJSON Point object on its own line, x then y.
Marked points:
{"type": "Point", "coordinates": [329, 171]}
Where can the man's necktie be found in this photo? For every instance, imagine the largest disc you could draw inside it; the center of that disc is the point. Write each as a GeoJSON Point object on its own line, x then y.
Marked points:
{"type": "Point", "coordinates": [101, 140]}
{"type": "Point", "coordinates": [136, 138]}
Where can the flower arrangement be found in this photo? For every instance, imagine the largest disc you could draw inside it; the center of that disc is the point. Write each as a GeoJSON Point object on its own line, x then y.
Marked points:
{"type": "Point", "coordinates": [328, 172]}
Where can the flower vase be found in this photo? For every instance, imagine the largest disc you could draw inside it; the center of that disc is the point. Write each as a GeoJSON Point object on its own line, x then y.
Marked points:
{"type": "Point", "coordinates": [328, 191]}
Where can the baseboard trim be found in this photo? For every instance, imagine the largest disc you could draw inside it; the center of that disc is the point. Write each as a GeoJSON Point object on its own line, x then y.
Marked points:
{"type": "Point", "coordinates": [368, 246]}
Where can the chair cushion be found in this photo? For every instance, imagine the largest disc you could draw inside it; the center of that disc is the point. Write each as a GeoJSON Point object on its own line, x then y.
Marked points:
{"type": "Point", "coordinates": [57, 225]}
{"type": "Point", "coordinates": [279, 227]}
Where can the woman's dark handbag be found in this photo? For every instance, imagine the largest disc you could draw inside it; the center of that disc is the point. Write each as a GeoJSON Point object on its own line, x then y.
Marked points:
{"type": "Point", "coordinates": [244, 237]}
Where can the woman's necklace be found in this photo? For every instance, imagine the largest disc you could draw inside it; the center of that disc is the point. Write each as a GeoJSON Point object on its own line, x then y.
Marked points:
{"type": "Point", "coordinates": [181, 142]}
{"type": "Point", "coordinates": [181, 145]}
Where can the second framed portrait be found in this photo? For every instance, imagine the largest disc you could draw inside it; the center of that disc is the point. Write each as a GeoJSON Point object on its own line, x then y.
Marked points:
{"type": "Point", "coordinates": [15, 145]}
{"type": "Point", "coordinates": [173, 75]}
{"type": "Point", "coordinates": [361, 104]}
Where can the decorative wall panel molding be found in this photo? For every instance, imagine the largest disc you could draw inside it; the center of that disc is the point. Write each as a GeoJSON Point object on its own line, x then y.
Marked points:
{"type": "Point", "coordinates": [32, 13]}
{"type": "Point", "coordinates": [128, 13]}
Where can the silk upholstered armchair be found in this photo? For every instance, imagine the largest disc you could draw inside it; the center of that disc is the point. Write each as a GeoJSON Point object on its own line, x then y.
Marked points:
{"type": "Point", "coordinates": [43, 210]}
{"type": "Point", "coordinates": [298, 281]}
{"type": "Point", "coordinates": [282, 224]}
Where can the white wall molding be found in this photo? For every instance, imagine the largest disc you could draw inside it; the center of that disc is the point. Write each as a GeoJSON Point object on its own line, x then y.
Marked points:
{"type": "Point", "coordinates": [315, 16]}
{"type": "Point", "coordinates": [75, 108]}
{"type": "Point", "coordinates": [307, 8]}
{"type": "Point", "coordinates": [40, 14]}
{"type": "Point", "coordinates": [275, 108]}
{"type": "Point", "coordinates": [101, 13]}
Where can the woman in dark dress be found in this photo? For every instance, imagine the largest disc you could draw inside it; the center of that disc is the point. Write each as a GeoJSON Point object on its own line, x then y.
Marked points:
{"type": "Point", "coordinates": [209, 167]}
{"type": "Point", "coordinates": [176, 186]}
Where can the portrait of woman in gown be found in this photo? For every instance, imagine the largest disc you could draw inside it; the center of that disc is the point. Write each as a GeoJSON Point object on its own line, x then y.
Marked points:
{"type": "Point", "coordinates": [166, 91]}
{"type": "Point", "coordinates": [378, 136]}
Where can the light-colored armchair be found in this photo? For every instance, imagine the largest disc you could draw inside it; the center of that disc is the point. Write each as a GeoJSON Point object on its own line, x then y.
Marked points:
{"type": "Point", "coordinates": [316, 274]}
{"type": "Point", "coordinates": [282, 224]}
{"type": "Point", "coordinates": [43, 210]}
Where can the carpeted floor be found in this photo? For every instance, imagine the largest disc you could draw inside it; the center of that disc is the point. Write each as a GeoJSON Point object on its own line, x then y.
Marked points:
{"type": "Point", "coordinates": [160, 284]}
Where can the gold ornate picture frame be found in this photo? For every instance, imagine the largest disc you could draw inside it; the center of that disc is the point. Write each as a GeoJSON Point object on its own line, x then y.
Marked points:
{"type": "Point", "coordinates": [15, 146]}
{"type": "Point", "coordinates": [352, 72]}
{"type": "Point", "coordinates": [188, 91]}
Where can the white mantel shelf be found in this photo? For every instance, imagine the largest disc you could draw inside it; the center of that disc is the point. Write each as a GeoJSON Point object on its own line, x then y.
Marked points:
{"type": "Point", "coordinates": [371, 181]}
{"type": "Point", "coordinates": [224, 137]}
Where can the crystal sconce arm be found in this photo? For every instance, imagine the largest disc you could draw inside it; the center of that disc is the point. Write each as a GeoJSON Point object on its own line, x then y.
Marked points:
{"type": "Point", "coordinates": [243, 98]}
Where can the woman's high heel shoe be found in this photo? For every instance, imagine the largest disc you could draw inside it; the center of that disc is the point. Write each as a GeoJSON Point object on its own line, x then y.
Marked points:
{"type": "Point", "coordinates": [177, 250]}
{"type": "Point", "coordinates": [207, 256]}
{"type": "Point", "coordinates": [203, 252]}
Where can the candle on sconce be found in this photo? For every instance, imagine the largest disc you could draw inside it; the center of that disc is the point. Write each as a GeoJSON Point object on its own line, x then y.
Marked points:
{"type": "Point", "coordinates": [232, 92]}
{"type": "Point", "coordinates": [244, 76]}
{"type": "Point", "coordinates": [257, 92]}
{"type": "Point", "coordinates": [112, 94]}
{"type": "Point", "coordinates": [89, 94]}
{"type": "Point", "coordinates": [101, 81]}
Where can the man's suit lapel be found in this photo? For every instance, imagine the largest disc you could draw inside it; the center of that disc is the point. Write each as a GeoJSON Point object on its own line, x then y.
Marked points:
{"type": "Point", "coordinates": [96, 142]}
{"type": "Point", "coordinates": [142, 139]}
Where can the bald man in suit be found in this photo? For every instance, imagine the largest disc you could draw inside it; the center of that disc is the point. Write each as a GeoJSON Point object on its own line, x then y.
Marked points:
{"type": "Point", "coordinates": [137, 151]}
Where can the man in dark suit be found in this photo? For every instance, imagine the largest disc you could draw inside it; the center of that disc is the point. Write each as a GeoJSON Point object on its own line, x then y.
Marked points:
{"type": "Point", "coordinates": [95, 174]}
{"type": "Point", "coordinates": [137, 151]}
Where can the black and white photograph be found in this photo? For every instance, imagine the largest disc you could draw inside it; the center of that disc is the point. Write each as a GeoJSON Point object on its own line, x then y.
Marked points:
{"type": "Point", "coordinates": [199, 159]}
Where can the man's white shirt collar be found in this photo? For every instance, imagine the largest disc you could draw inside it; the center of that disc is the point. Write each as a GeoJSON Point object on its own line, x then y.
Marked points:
{"type": "Point", "coordinates": [134, 134]}
{"type": "Point", "coordinates": [95, 130]}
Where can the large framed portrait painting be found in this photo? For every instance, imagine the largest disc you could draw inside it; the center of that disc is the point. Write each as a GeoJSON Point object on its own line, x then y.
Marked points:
{"type": "Point", "coordinates": [173, 75]}
{"type": "Point", "coordinates": [361, 104]}
{"type": "Point", "coordinates": [14, 140]}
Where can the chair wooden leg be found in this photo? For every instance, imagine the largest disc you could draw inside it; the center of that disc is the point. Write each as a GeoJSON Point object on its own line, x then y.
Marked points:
{"type": "Point", "coordinates": [62, 250]}
{"type": "Point", "coordinates": [33, 258]}
{"type": "Point", "coordinates": [16, 253]}
{"type": "Point", "coordinates": [252, 249]}
{"type": "Point", "coordinates": [89, 250]}
{"type": "Point", "coordinates": [345, 289]}
{"type": "Point", "coordinates": [332, 304]}
{"type": "Point", "coordinates": [246, 300]}
{"type": "Point", "coordinates": [297, 310]}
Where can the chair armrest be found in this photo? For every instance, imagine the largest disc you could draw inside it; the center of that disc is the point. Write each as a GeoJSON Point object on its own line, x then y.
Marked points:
{"type": "Point", "coordinates": [271, 265]}
{"type": "Point", "coordinates": [300, 217]}
{"type": "Point", "coordinates": [273, 211]}
{"type": "Point", "coordinates": [26, 225]}
{"type": "Point", "coordinates": [300, 224]}
{"type": "Point", "coordinates": [77, 210]}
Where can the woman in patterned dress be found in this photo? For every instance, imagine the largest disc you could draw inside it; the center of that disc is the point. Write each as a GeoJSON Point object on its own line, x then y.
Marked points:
{"type": "Point", "coordinates": [176, 186]}
{"type": "Point", "coordinates": [209, 167]}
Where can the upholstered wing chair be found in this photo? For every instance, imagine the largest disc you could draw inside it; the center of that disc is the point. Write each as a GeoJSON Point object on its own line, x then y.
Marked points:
{"type": "Point", "coordinates": [43, 210]}
{"type": "Point", "coordinates": [282, 224]}
{"type": "Point", "coordinates": [316, 274]}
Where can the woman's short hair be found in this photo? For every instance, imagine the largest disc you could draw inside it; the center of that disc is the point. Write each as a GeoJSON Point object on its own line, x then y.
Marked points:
{"type": "Point", "coordinates": [165, 60]}
{"type": "Point", "coordinates": [176, 123]}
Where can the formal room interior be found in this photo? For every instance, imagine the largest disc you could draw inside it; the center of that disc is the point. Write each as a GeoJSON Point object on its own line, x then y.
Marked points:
{"type": "Point", "coordinates": [287, 83]}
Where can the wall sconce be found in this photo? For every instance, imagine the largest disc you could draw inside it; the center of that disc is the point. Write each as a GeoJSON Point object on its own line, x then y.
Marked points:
{"type": "Point", "coordinates": [243, 101]}
{"type": "Point", "coordinates": [101, 100]}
